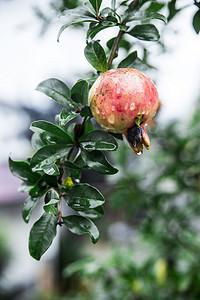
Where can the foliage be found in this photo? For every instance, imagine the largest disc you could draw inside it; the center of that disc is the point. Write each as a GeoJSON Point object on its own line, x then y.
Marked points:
{"type": "Point", "coordinates": [64, 149]}
{"type": "Point", "coordinates": [162, 207]}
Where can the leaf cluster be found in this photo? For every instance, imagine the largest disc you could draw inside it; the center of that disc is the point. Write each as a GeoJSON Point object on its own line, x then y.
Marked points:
{"type": "Point", "coordinates": [62, 151]}
{"type": "Point", "coordinates": [131, 20]}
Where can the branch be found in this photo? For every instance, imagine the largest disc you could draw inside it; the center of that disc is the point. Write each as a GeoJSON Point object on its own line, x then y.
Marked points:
{"type": "Point", "coordinates": [117, 41]}
{"type": "Point", "coordinates": [114, 49]}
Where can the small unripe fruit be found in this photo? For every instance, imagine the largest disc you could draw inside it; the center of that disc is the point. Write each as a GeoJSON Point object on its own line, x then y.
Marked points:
{"type": "Point", "coordinates": [123, 101]}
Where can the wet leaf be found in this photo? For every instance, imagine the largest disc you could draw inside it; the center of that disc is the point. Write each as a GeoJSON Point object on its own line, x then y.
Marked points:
{"type": "Point", "coordinates": [96, 56]}
{"type": "Point", "coordinates": [83, 196]}
{"type": "Point", "coordinates": [81, 225]}
{"type": "Point", "coordinates": [42, 234]}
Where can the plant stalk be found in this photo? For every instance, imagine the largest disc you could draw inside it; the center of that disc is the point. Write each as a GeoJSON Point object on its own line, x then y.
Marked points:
{"type": "Point", "coordinates": [114, 49]}
{"type": "Point", "coordinates": [117, 41]}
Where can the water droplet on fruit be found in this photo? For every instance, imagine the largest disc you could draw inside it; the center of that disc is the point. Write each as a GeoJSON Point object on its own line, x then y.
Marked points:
{"type": "Point", "coordinates": [132, 106]}
{"type": "Point", "coordinates": [111, 119]}
{"type": "Point", "coordinates": [118, 90]}
{"type": "Point", "coordinates": [126, 106]}
{"type": "Point", "coordinates": [103, 112]}
{"type": "Point", "coordinates": [113, 108]}
{"type": "Point", "coordinates": [139, 153]}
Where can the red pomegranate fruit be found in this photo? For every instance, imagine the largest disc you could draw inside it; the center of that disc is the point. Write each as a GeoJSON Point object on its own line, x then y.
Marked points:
{"type": "Point", "coordinates": [123, 101]}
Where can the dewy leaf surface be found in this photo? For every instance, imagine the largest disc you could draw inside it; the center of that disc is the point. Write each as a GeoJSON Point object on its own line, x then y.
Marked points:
{"type": "Point", "coordinates": [93, 213]}
{"type": "Point", "coordinates": [128, 62]}
{"type": "Point", "coordinates": [96, 56]}
{"type": "Point", "coordinates": [72, 170]}
{"type": "Point", "coordinates": [45, 157]}
{"type": "Point", "coordinates": [99, 140]}
{"type": "Point", "coordinates": [42, 234]}
{"type": "Point", "coordinates": [79, 92]}
{"type": "Point", "coordinates": [58, 91]}
{"type": "Point", "coordinates": [23, 171]}
{"type": "Point", "coordinates": [83, 196]}
{"type": "Point", "coordinates": [66, 116]}
{"type": "Point", "coordinates": [146, 32]}
{"type": "Point", "coordinates": [97, 161]}
{"type": "Point", "coordinates": [28, 207]}
{"type": "Point", "coordinates": [50, 132]}
{"type": "Point", "coordinates": [80, 225]}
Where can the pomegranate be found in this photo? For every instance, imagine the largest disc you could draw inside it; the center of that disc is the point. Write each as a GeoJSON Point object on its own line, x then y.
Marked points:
{"type": "Point", "coordinates": [123, 101]}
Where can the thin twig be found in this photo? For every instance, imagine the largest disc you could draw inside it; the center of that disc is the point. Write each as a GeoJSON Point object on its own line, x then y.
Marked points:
{"type": "Point", "coordinates": [117, 41]}
{"type": "Point", "coordinates": [114, 49]}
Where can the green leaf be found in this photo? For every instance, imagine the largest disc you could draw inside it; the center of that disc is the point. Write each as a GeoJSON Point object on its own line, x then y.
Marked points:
{"type": "Point", "coordinates": [155, 15]}
{"type": "Point", "coordinates": [73, 23]}
{"type": "Point", "coordinates": [42, 234]}
{"type": "Point", "coordinates": [146, 32]}
{"type": "Point", "coordinates": [43, 185]}
{"type": "Point", "coordinates": [28, 207]}
{"type": "Point", "coordinates": [50, 208]}
{"type": "Point", "coordinates": [66, 116]}
{"type": "Point", "coordinates": [172, 9]}
{"type": "Point", "coordinates": [86, 112]}
{"type": "Point", "coordinates": [39, 189]}
{"type": "Point", "coordinates": [147, 16]}
{"type": "Point", "coordinates": [23, 171]}
{"type": "Point", "coordinates": [128, 62]}
{"type": "Point", "coordinates": [88, 127]}
{"type": "Point", "coordinates": [99, 140]}
{"type": "Point", "coordinates": [80, 225]}
{"type": "Point", "coordinates": [79, 92]}
{"type": "Point", "coordinates": [123, 44]}
{"type": "Point", "coordinates": [51, 195]}
{"type": "Point", "coordinates": [92, 31]}
{"type": "Point", "coordinates": [72, 170]}
{"type": "Point", "coordinates": [96, 4]}
{"type": "Point", "coordinates": [97, 161]}
{"type": "Point", "coordinates": [96, 56]}
{"type": "Point", "coordinates": [51, 169]}
{"type": "Point", "coordinates": [83, 197]}
{"type": "Point", "coordinates": [70, 130]}
{"type": "Point", "coordinates": [80, 162]}
{"type": "Point", "coordinates": [46, 157]}
{"type": "Point", "coordinates": [108, 11]}
{"type": "Point", "coordinates": [58, 91]}
{"type": "Point", "coordinates": [94, 213]}
{"type": "Point", "coordinates": [37, 142]}
{"type": "Point", "coordinates": [196, 21]}
{"type": "Point", "coordinates": [51, 199]}
{"type": "Point", "coordinates": [51, 133]}
{"type": "Point", "coordinates": [155, 6]}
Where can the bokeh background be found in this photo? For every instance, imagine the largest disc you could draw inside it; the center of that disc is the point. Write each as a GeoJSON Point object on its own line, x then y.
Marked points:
{"type": "Point", "coordinates": [150, 231]}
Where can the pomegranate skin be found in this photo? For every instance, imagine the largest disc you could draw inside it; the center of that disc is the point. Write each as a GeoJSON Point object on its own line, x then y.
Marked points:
{"type": "Point", "coordinates": [119, 96]}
